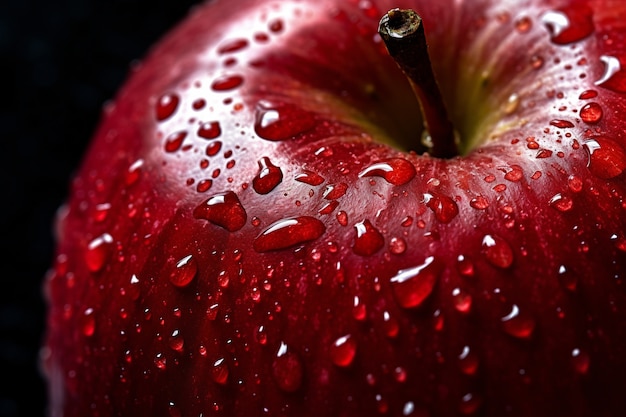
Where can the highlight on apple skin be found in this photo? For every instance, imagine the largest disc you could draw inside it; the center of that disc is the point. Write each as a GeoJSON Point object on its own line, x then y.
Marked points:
{"type": "Point", "coordinates": [274, 217]}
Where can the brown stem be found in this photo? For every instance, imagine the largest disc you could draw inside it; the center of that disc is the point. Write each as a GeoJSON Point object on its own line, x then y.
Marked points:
{"type": "Point", "coordinates": [403, 34]}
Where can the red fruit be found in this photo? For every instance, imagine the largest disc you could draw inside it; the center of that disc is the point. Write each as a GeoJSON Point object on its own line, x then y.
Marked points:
{"type": "Point", "coordinates": [257, 229]}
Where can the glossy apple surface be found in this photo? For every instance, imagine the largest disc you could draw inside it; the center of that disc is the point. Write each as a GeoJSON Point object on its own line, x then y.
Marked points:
{"type": "Point", "coordinates": [256, 229]}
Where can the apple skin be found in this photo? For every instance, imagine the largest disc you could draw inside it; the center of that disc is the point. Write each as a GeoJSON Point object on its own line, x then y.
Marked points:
{"type": "Point", "coordinates": [246, 236]}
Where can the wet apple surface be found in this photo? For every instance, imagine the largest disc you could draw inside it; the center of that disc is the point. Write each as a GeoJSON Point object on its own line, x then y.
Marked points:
{"type": "Point", "coordinates": [260, 226]}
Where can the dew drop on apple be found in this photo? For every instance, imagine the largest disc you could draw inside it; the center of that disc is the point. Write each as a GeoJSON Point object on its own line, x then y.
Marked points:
{"type": "Point", "coordinates": [588, 94]}
{"type": "Point", "coordinates": [462, 300]}
{"type": "Point", "coordinates": [343, 350]}
{"type": "Point", "coordinates": [134, 172]}
{"type": "Point", "coordinates": [309, 177]}
{"type": "Point", "coordinates": [468, 361]}
{"type": "Point", "coordinates": [518, 324]}
{"type": "Point", "coordinates": [391, 327]}
{"type": "Point", "coordinates": [479, 202]}
{"type": "Point", "coordinates": [213, 148]}
{"type": "Point", "coordinates": [469, 404]}
{"type": "Point", "coordinates": [497, 251]}
{"type": "Point", "coordinates": [335, 191]}
{"type": "Point", "coordinates": [465, 266]}
{"type": "Point", "coordinates": [444, 207]}
{"type": "Point", "coordinates": [289, 232]}
{"type": "Point", "coordinates": [561, 124]}
{"type": "Point", "coordinates": [591, 113]}
{"type": "Point", "coordinates": [359, 309]}
{"type": "Point", "coordinates": [160, 361]}
{"type": "Point", "coordinates": [614, 77]}
{"type": "Point", "coordinates": [368, 239]}
{"type": "Point", "coordinates": [232, 45]}
{"type": "Point", "coordinates": [219, 371]}
{"type": "Point", "coordinates": [166, 106]}
{"type": "Point", "coordinates": [515, 174]}
{"type": "Point", "coordinates": [227, 82]}
{"type": "Point", "coordinates": [277, 123]}
{"type": "Point", "coordinates": [568, 25]}
{"type": "Point", "coordinates": [268, 178]}
{"type": "Point", "coordinates": [98, 252]}
{"type": "Point", "coordinates": [397, 245]}
{"type": "Point", "coordinates": [580, 361]}
{"type": "Point", "coordinates": [574, 183]}
{"type": "Point", "coordinates": [176, 341]}
{"type": "Point", "coordinates": [561, 202]}
{"type": "Point", "coordinates": [88, 322]}
{"type": "Point", "coordinates": [210, 130]}
{"type": "Point", "coordinates": [607, 159]}
{"type": "Point", "coordinates": [224, 210]}
{"type": "Point", "coordinates": [174, 141]}
{"type": "Point", "coordinates": [567, 278]}
{"type": "Point", "coordinates": [396, 171]}
{"type": "Point", "coordinates": [184, 271]}
{"type": "Point", "coordinates": [412, 286]}
{"type": "Point", "coordinates": [287, 369]}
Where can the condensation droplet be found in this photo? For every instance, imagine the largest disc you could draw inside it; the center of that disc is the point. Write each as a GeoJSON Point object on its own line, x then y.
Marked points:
{"type": "Point", "coordinates": [479, 202]}
{"type": "Point", "coordinates": [98, 252]}
{"type": "Point", "coordinates": [277, 123]}
{"type": "Point", "coordinates": [368, 239]}
{"type": "Point", "coordinates": [224, 210]}
{"type": "Point", "coordinates": [134, 172]}
{"type": "Point", "coordinates": [468, 361]}
{"type": "Point", "coordinates": [232, 45]}
{"type": "Point", "coordinates": [580, 361]}
{"type": "Point", "coordinates": [444, 207]}
{"type": "Point", "coordinates": [518, 324]}
{"type": "Point", "coordinates": [588, 94]}
{"type": "Point", "coordinates": [166, 106]}
{"type": "Point", "coordinates": [289, 232]}
{"type": "Point", "coordinates": [413, 285]}
{"type": "Point", "coordinates": [227, 82]}
{"type": "Point", "coordinates": [219, 371]}
{"type": "Point", "coordinates": [396, 171]}
{"type": "Point", "coordinates": [591, 113]}
{"type": "Point", "coordinates": [397, 245]}
{"type": "Point", "coordinates": [268, 178]}
{"type": "Point", "coordinates": [561, 124]}
{"type": "Point", "coordinates": [174, 141]}
{"type": "Point", "coordinates": [88, 322]}
{"type": "Point", "coordinates": [343, 350]}
{"type": "Point", "coordinates": [359, 310]}
{"type": "Point", "coordinates": [210, 130]}
{"type": "Point", "coordinates": [176, 341]}
{"type": "Point", "coordinates": [287, 369]}
{"type": "Point", "coordinates": [607, 159]}
{"type": "Point", "coordinates": [465, 266]}
{"type": "Point", "coordinates": [497, 251]}
{"type": "Point", "coordinates": [462, 300]}
{"type": "Point", "coordinates": [335, 191]}
{"type": "Point", "coordinates": [184, 271]}
{"type": "Point", "coordinates": [561, 202]}
{"type": "Point", "coordinates": [310, 178]}
{"type": "Point", "coordinates": [568, 25]}
{"type": "Point", "coordinates": [614, 77]}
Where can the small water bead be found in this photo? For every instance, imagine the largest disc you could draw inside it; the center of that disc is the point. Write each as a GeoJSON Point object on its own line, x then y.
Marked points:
{"type": "Point", "coordinates": [227, 82]}
{"type": "Point", "coordinates": [497, 251]}
{"type": "Point", "coordinates": [391, 327]}
{"type": "Point", "coordinates": [213, 148]}
{"type": "Point", "coordinates": [561, 124]}
{"type": "Point", "coordinates": [224, 210]}
{"type": "Point", "coordinates": [134, 172]}
{"type": "Point", "coordinates": [289, 232]}
{"type": "Point", "coordinates": [204, 185]}
{"type": "Point", "coordinates": [479, 203]}
{"type": "Point", "coordinates": [176, 341]}
{"type": "Point", "coordinates": [335, 191]}
{"type": "Point", "coordinates": [580, 361]}
{"type": "Point", "coordinates": [166, 106]}
{"type": "Point", "coordinates": [515, 174]}
{"type": "Point", "coordinates": [614, 77]}
{"type": "Point", "coordinates": [543, 153]}
{"type": "Point", "coordinates": [561, 202]}
{"type": "Point", "coordinates": [462, 300]}
{"type": "Point", "coordinates": [568, 25]}
{"type": "Point", "coordinates": [368, 239]}
{"type": "Point", "coordinates": [518, 324]}
{"type": "Point", "coordinates": [591, 113]}
{"type": "Point", "coordinates": [219, 372]}
{"type": "Point", "coordinates": [469, 404]}
{"type": "Point", "coordinates": [465, 266]}
{"type": "Point", "coordinates": [232, 45]}
{"type": "Point", "coordinates": [268, 178]}
{"type": "Point", "coordinates": [359, 309]}
{"type": "Point", "coordinates": [198, 104]}
{"type": "Point", "coordinates": [343, 350]}
{"type": "Point", "coordinates": [536, 62]}
{"type": "Point", "coordinates": [88, 322]}
{"type": "Point", "coordinates": [210, 130]}
{"type": "Point", "coordinates": [412, 286]}
{"type": "Point", "coordinates": [444, 207]}
{"type": "Point", "coordinates": [523, 24]}
{"type": "Point", "coordinates": [282, 122]}
{"type": "Point", "coordinates": [342, 218]}
{"type": "Point", "coordinates": [329, 207]}
{"type": "Point", "coordinates": [160, 361]}
{"type": "Point", "coordinates": [184, 271]}
{"type": "Point", "coordinates": [396, 171]}
{"type": "Point", "coordinates": [588, 94]}
{"type": "Point", "coordinates": [574, 183]}
{"type": "Point", "coordinates": [397, 245]}
{"type": "Point", "coordinates": [174, 141]}
{"type": "Point", "coordinates": [287, 369]}
{"type": "Point", "coordinates": [468, 361]}
{"type": "Point", "coordinates": [98, 252]}
{"type": "Point", "coordinates": [607, 159]}
{"type": "Point", "coordinates": [310, 178]}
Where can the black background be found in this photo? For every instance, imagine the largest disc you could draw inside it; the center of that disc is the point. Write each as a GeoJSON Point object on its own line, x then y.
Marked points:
{"type": "Point", "coordinates": [60, 60]}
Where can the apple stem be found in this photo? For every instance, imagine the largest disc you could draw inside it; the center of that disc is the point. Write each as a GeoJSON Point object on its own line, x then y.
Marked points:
{"type": "Point", "coordinates": [403, 34]}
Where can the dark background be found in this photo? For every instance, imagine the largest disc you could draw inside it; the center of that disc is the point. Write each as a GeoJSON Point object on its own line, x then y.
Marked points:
{"type": "Point", "coordinates": [61, 61]}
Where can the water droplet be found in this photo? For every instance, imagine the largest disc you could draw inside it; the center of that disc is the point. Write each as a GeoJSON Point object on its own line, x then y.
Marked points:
{"type": "Point", "coordinates": [606, 158]}
{"type": "Point", "coordinates": [368, 239]}
{"type": "Point", "coordinates": [614, 78]}
{"type": "Point", "coordinates": [287, 369]}
{"type": "Point", "coordinates": [342, 218]}
{"type": "Point", "coordinates": [134, 172]}
{"type": "Point", "coordinates": [289, 232]}
{"type": "Point", "coordinates": [479, 202]}
{"type": "Point", "coordinates": [277, 123]}
{"type": "Point", "coordinates": [462, 300]}
{"type": "Point", "coordinates": [588, 94]}
{"type": "Point", "coordinates": [359, 310]}
{"type": "Point", "coordinates": [543, 153]}
{"type": "Point", "coordinates": [523, 24]}
{"type": "Point", "coordinates": [343, 351]}
{"type": "Point", "coordinates": [580, 361]}
{"type": "Point", "coordinates": [396, 171]}
{"type": "Point", "coordinates": [224, 210]}
{"type": "Point", "coordinates": [98, 252]}
{"type": "Point", "coordinates": [219, 371]}
{"type": "Point", "coordinates": [561, 124]}
{"type": "Point", "coordinates": [174, 141]}
{"type": "Point", "coordinates": [310, 177]}
{"type": "Point", "coordinates": [160, 361]}
{"type": "Point", "coordinates": [184, 271]}
{"type": "Point", "coordinates": [470, 403]}
{"type": "Point", "coordinates": [497, 251]}
{"type": "Point", "coordinates": [468, 361]}
{"type": "Point", "coordinates": [575, 183]}
{"type": "Point", "coordinates": [166, 106]}
{"type": "Point", "coordinates": [198, 104]}
{"type": "Point", "coordinates": [518, 324]}
{"type": "Point", "coordinates": [561, 202]}
{"type": "Point", "coordinates": [515, 174]}
{"type": "Point", "coordinates": [444, 207]}
{"type": "Point", "coordinates": [391, 327]}
{"type": "Point", "coordinates": [591, 113]}
{"type": "Point", "coordinates": [232, 45]}
{"type": "Point", "coordinates": [335, 191]}
{"type": "Point", "coordinates": [413, 285]}
{"type": "Point", "coordinates": [176, 341]}
{"type": "Point", "coordinates": [568, 25]}
{"type": "Point", "coordinates": [88, 322]}
{"type": "Point", "coordinates": [210, 130]}
{"type": "Point", "coordinates": [465, 266]}
{"type": "Point", "coordinates": [213, 148]}
{"type": "Point", "coordinates": [512, 104]}
{"type": "Point", "coordinates": [227, 82]}
{"type": "Point", "coordinates": [397, 245]}
{"type": "Point", "coordinates": [268, 178]}
{"type": "Point", "coordinates": [204, 185]}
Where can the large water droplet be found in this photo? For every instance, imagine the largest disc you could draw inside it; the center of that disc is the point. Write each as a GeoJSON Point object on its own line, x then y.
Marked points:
{"type": "Point", "coordinates": [396, 171]}
{"type": "Point", "coordinates": [289, 232]}
{"type": "Point", "coordinates": [561, 202]}
{"type": "Point", "coordinates": [607, 159]}
{"type": "Point", "coordinates": [497, 251]}
{"type": "Point", "coordinates": [232, 45]}
{"type": "Point", "coordinates": [368, 239]}
{"type": "Point", "coordinates": [568, 25]}
{"type": "Point", "coordinates": [310, 177]}
{"type": "Point", "coordinates": [281, 122]}
{"type": "Point", "coordinates": [591, 113]}
{"type": "Point", "coordinates": [268, 177]}
{"type": "Point", "coordinates": [184, 271]}
{"type": "Point", "coordinates": [224, 210]}
{"type": "Point", "coordinates": [174, 141]}
{"type": "Point", "coordinates": [166, 106]}
{"type": "Point", "coordinates": [227, 82]}
{"type": "Point", "coordinates": [219, 371]}
{"type": "Point", "coordinates": [444, 207]}
{"type": "Point", "coordinates": [210, 130]}
{"type": "Point", "coordinates": [335, 191]}
{"type": "Point", "coordinates": [343, 351]}
{"type": "Point", "coordinates": [98, 252]}
{"type": "Point", "coordinates": [462, 300]}
{"type": "Point", "coordinates": [518, 324]}
{"type": "Point", "coordinates": [614, 77]}
{"type": "Point", "coordinates": [413, 285]}
{"type": "Point", "coordinates": [287, 369]}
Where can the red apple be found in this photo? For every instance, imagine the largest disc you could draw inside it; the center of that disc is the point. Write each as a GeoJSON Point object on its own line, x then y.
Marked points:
{"type": "Point", "coordinates": [258, 230]}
